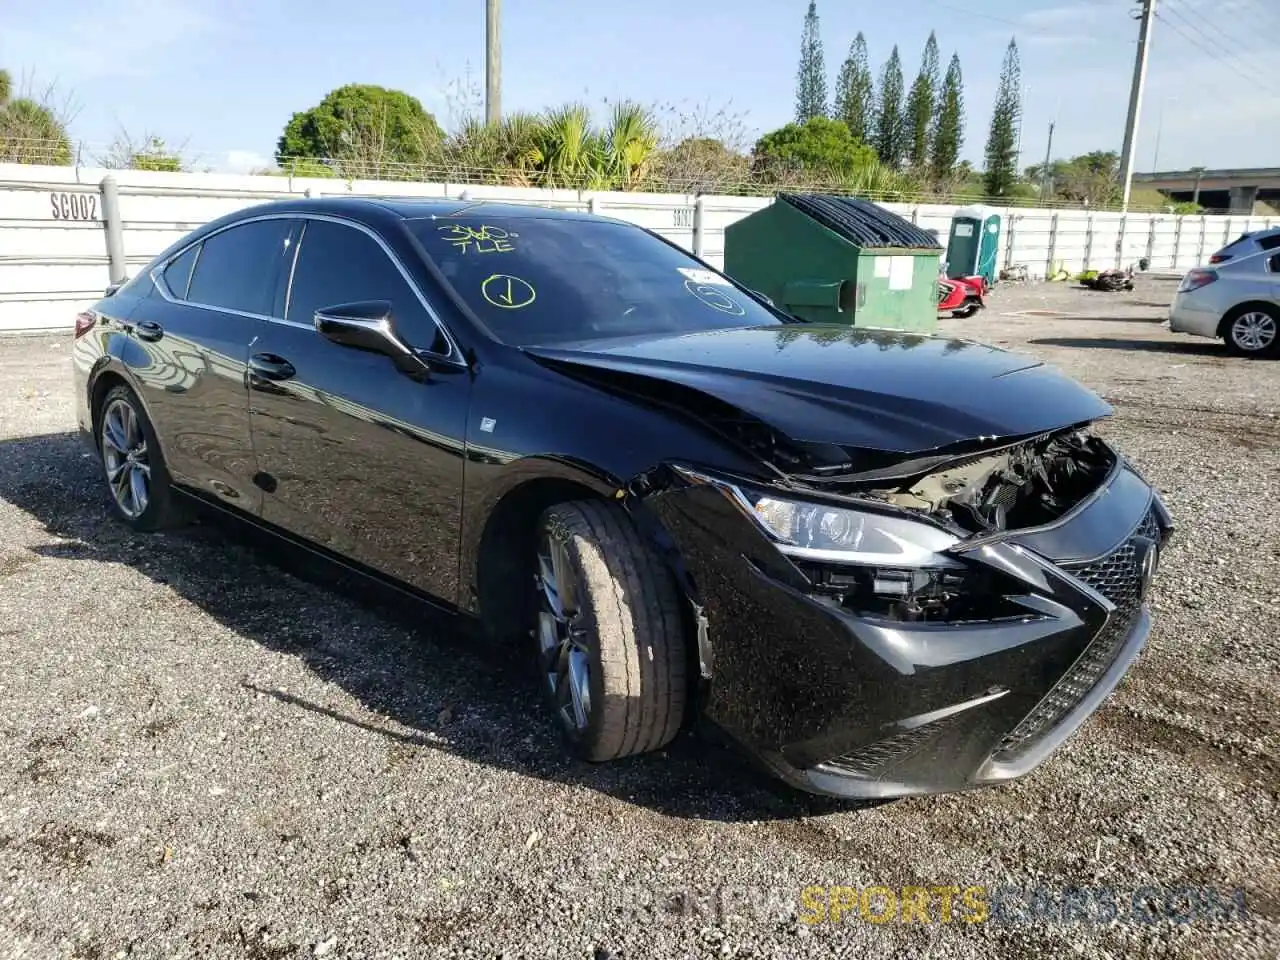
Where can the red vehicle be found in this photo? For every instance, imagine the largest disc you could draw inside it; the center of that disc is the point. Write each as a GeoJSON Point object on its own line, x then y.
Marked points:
{"type": "Point", "coordinates": [961, 297]}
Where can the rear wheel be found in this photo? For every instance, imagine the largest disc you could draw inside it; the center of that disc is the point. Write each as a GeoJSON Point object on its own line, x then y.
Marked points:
{"type": "Point", "coordinates": [1253, 332]}
{"type": "Point", "coordinates": [133, 464]}
{"type": "Point", "coordinates": [609, 632]}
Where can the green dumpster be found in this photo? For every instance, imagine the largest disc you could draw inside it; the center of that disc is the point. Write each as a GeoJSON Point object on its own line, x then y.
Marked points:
{"type": "Point", "coordinates": [838, 260]}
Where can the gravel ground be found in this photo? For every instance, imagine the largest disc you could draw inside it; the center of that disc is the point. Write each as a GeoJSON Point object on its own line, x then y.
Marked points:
{"type": "Point", "coordinates": [203, 753]}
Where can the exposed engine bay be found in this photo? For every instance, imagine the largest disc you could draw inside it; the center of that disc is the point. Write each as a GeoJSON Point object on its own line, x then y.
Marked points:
{"type": "Point", "coordinates": [984, 485]}
{"type": "Point", "coordinates": [975, 486]}
{"type": "Point", "coordinates": [1028, 484]}
{"type": "Point", "coordinates": [1024, 486]}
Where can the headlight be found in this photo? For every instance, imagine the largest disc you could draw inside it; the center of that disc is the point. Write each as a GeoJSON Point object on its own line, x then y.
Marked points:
{"type": "Point", "coordinates": [871, 563]}
{"type": "Point", "coordinates": [818, 531]}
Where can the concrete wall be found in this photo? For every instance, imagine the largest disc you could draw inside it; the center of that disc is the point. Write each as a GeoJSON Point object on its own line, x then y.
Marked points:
{"type": "Point", "coordinates": [53, 253]}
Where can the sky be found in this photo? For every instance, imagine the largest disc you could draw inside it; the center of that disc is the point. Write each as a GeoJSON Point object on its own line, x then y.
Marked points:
{"type": "Point", "coordinates": [220, 78]}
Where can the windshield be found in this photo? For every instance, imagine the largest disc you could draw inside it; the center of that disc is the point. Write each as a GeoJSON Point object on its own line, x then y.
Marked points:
{"type": "Point", "coordinates": [534, 280]}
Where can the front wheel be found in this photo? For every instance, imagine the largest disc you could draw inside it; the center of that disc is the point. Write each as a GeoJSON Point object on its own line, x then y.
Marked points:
{"type": "Point", "coordinates": [1253, 332]}
{"type": "Point", "coordinates": [612, 657]}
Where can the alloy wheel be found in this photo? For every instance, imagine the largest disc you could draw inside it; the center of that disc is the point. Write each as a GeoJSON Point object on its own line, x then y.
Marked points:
{"type": "Point", "coordinates": [564, 657]}
{"type": "Point", "coordinates": [1254, 331]}
{"type": "Point", "coordinates": [126, 459]}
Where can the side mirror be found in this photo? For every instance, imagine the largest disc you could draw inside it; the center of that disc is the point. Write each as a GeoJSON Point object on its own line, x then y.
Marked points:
{"type": "Point", "coordinates": [365, 325]}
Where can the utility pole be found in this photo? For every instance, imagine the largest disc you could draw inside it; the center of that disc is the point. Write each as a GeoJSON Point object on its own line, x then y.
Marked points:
{"type": "Point", "coordinates": [1147, 17]}
{"type": "Point", "coordinates": [493, 62]}
{"type": "Point", "coordinates": [1048, 159]}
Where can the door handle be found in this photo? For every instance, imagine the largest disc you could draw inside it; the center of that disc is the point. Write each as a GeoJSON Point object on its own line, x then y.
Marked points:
{"type": "Point", "coordinates": [267, 366]}
{"type": "Point", "coordinates": [148, 330]}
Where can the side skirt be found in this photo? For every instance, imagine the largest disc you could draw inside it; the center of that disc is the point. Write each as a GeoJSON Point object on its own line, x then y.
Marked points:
{"type": "Point", "coordinates": [280, 537]}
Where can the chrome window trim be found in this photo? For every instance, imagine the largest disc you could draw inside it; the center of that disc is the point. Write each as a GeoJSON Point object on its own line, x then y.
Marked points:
{"type": "Point", "coordinates": [454, 356]}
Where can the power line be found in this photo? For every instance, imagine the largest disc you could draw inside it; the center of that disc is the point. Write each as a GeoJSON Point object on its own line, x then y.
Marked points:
{"type": "Point", "coordinates": [1233, 8]}
{"type": "Point", "coordinates": [981, 16]}
{"type": "Point", "coordinates": [1021, 26]}
{"type": "Point", "coordinates": [1256, 5]}
{"type": "Point", "coordinates": [1181, 11]}
{"type": "Point", "coordinates": [1204, 46]}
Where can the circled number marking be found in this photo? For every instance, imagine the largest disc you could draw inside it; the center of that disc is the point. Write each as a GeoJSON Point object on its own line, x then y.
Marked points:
{"type": "Point", "coordinates": [508, 292]}
{"type": "Point", "coordinates": [715, 299]}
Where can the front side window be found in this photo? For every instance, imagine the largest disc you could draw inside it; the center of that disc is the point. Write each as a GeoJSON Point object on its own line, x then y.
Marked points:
{"type": "Point", "coordinates": [340, 264]}
{"type": "Point", "coordinates": [541, 280]}
{"type": "Point", "coordinates": [238, 267]}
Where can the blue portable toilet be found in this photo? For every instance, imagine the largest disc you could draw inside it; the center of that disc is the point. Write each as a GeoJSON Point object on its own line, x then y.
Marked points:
{"type": "Point", "coordinates": [973, 244]}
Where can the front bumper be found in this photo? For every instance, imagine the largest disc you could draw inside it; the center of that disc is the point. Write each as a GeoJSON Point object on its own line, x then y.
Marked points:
{"type": "Point", "coordinates": [852, 706]}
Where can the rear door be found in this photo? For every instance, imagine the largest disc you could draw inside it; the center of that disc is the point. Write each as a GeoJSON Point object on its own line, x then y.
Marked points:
{"type": "Point", "coordinates": [357, 456]}
{"type": "Point", "coordinates": [190, 344]}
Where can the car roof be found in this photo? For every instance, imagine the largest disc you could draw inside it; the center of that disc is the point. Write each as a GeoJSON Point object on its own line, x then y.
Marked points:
{"type": "Point", "coordinates": [1250, 263]}
{"type": "Point", "coordinates": [415, 208]}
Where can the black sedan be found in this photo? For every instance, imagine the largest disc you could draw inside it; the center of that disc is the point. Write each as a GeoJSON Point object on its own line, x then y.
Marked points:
{"type": "Point", "coordinates": [887, 564]}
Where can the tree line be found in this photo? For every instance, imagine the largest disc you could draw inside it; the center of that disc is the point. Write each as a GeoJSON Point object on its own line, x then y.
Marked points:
{"type": "Point", "coordinates": [920, 130]}
{"type": "Point", "coordinates": [33, 129]}
{"type": "Point", "coordinates": [876, 138]}
{"type": "Point", "coordinates": [915, 136]}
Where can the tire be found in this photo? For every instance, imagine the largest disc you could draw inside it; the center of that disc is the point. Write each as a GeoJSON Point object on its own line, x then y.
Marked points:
{"type": "Point", "coordinates": [1252, 331]}
{"type": "Point", "coordinates": [620, 620]}
{"type": "Point", "coordinates": [122, 422]}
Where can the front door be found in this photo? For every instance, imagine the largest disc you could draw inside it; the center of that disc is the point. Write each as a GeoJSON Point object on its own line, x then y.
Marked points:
{"type": "Point", "coordinates": [355, 455]}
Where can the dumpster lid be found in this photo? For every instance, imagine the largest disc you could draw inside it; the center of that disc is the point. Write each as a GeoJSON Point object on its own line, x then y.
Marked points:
{"type": "Point", "coordinates": [861, 221]}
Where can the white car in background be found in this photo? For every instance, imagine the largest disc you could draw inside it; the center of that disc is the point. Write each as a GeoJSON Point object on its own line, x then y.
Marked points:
{"type": "Point", "coordinates": [1236, 301]}
{"type": "Point", "coordinates": [1247, 244]}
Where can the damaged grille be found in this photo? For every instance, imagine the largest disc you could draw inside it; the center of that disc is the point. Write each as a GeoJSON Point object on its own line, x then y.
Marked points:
{"type": "Point", "coordinates": [1118, 577]}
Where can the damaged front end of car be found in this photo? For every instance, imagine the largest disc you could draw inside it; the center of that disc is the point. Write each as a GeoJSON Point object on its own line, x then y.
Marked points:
{"type": "Point", "coordinates": [877, 624]}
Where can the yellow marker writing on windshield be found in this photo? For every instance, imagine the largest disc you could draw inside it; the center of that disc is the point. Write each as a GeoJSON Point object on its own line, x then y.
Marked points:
{"type": "Point", "coordinates": [482, 239]}
{"type": "Point", "coordinates": [508, 292]}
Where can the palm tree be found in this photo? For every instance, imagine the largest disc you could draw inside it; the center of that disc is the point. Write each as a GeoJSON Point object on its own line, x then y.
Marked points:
{"type": "Point", "coordinates": [630, 142]}
{"type": "Point", "coordinates": [572, 152]}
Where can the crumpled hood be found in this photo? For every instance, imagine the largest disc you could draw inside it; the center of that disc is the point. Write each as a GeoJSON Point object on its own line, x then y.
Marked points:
{"type": "Point", "coordinates": [873, 389]}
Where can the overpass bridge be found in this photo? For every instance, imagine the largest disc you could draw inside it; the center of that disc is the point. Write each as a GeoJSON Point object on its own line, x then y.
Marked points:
{"type": "Point", "coordinates": [1232, 191]}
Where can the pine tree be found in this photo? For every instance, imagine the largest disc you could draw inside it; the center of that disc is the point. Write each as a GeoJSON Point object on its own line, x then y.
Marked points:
{"type": "Point", "coordinates": [811, 79]}
{"type": "Point", "coordinates": [947, 136]}
{"type": "Point", "coordinates": [855, 96]}
{"type": "Point", "coordinates": [920, 105]}
{"type": "Point", "coordinates": [1002, 140]}
{"type": "Point", "coordinates": [890, 133]}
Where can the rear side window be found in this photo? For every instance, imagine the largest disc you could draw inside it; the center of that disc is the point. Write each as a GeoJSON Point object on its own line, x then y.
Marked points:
{"type": "Point", "coordinates": [340, 264]}
{"type": "Point", "coordinates": [1269, 241]}
{"type": "Point", "coordinates": [177, 276]}
{"type": "Point", "coordinates": [237, 268]}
